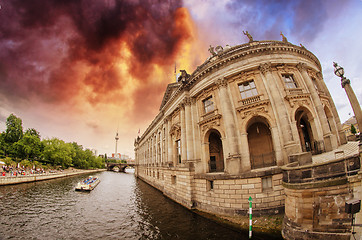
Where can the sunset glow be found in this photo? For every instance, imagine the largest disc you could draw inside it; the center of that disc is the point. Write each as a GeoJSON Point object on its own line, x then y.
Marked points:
{"type": "Point", "coordinates": [80, 70]}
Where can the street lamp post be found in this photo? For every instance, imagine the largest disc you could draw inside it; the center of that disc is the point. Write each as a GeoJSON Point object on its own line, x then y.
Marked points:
{"type": "Point", "coordinates": [346, 84]}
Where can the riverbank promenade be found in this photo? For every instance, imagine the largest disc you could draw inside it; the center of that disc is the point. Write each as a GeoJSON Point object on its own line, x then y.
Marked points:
{"type": "Point", "coordinates": [9, 180]}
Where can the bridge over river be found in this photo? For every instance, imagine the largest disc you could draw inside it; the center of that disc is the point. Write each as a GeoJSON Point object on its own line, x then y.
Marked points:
{"type": "Point", "coordinates": [121, 166]}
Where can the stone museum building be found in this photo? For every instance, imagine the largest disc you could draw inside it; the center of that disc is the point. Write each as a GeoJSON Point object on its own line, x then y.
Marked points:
{"type": "Point", "coordinates": [224, 131]}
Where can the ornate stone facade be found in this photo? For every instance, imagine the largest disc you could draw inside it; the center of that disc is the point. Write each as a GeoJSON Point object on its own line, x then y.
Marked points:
{"type": "Point", "coordinates": [224, 131]}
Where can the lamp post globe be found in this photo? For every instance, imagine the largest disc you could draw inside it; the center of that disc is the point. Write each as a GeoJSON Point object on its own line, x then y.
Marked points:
{"type": "Point", "coordinates": [338, 70]}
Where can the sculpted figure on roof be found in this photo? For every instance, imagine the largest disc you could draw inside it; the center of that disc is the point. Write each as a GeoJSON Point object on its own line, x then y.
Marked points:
{"type": "Point", "coordinates": [249, 36]}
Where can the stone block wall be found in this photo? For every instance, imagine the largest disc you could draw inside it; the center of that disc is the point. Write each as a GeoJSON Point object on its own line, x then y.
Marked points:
{"type": "Point", "coordinates": [219, 196]}
{"type": "Point", "coordinates": [231, 196]}
{"type": "Point", "coordinates": [315, 202]}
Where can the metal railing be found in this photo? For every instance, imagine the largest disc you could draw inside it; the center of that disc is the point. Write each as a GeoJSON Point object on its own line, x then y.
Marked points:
{"type": "Point", "coordinates": [317, 147]}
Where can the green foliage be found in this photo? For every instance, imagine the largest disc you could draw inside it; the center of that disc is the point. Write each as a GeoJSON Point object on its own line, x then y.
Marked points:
{"type": "Point", "coordinates": [14, 129]}
{"type": "Point", "coordinates": [9, 162]}
{"type": "Point", "coordinates": [47, 153]}
{"type": "Point", "coordinates": [26, 164]}
{"type": "Point", "coordinates": [30, 146]}
{"type": "Point", "coordinates": [58, 153]}
{"type": "Point", "coordinates": [353, 129]}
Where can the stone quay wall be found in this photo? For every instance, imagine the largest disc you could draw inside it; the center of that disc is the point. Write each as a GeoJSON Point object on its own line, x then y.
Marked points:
{"type": "Point", "coordinates": [217, 194]}
{"type": "Point", "coordinates": [315, 197]}
{"type": "Point", "coordinates": [42, 177]}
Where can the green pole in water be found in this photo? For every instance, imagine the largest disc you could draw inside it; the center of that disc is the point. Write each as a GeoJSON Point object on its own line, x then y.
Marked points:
{"type": "Point", "coordinates": [250, 216]}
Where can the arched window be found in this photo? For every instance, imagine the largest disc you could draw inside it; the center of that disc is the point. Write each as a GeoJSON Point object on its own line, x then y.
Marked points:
{"type": "Point", "coordinates": [216, 163]}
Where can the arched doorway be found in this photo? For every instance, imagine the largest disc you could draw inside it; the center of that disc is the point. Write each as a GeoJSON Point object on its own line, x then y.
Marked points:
{"type": "Point", "coordinates": [260, 146]}
{"type": "Point", "coordinates": [216, 163]}
{"type": "Point", "coordinates": [305, 131]}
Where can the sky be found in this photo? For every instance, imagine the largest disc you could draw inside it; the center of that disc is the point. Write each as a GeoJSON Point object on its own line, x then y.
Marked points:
{"type": "Point", "coordinates": [81, 70]}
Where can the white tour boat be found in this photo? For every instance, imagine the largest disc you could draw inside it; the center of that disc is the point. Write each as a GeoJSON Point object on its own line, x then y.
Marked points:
{"type": "Point", "coordinates": [88, 184]}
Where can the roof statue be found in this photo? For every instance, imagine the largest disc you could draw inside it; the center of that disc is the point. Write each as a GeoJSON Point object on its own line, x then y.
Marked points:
{"type": "Point", "coordinates": [284, 38]}
{"type": "Point", "coordinates": [249, 36]}
{"type": "Point", "coordinates": [184, 76]}
{"type": "Point", "coordinates": [219, 49]}
{"type": "Point", "coordinates": [211, 50]}
{"type": "Point", "coordinates": [302, 46]}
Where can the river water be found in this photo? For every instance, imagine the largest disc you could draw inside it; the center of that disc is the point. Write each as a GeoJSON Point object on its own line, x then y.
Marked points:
{"type": "Point", "coordinates": [120, 207]}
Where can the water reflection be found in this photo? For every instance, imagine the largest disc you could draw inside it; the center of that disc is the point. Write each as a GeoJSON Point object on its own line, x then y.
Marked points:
{"type": "Point", "coordinates": [120, 207]}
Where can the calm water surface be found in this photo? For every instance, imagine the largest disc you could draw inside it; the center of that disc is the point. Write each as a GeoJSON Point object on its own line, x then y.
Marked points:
{"type": "Point", "coordinates": [120, 207]}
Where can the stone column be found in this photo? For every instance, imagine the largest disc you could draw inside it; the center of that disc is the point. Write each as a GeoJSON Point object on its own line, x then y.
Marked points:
{"type": "Point", "coordinates": [353, 100]}
{"type": "Point", "coordinates": [189, 130]}
{"type": "Point", "coordinates": [319, 108]}
{"type": "Point", "coordinates": [196, 133]}
{"type": "Point", "coordinates": [169, 141]}
{"type": "Point", "coordinates": [157, 137]}
{"type": "Point", "coordinates": [245, 154]}
{"type": "Point", "coordinates": [228, 117]}
{"type": "Point", "coordinates": [232, 156]}
{"type": "Point", "coordinates": [279, 108]}
{"type": "Point", "coordinates": [183, 134]}
{"type": "Point", "coordinates": [341, 133]}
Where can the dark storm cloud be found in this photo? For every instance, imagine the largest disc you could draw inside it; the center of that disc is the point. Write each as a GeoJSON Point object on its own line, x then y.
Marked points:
{"type": "Point", "coordinates": [302, 19]}
{"type": "Point", "coordinates": [52, 48]}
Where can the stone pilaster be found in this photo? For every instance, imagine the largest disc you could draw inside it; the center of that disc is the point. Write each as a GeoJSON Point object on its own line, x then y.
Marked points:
{"type": "Point", "coordinates": [245, 154]}
{"type": "Point", "coordinates": [232, 155]}
{"type": "Point", "coordinates": [278, 107]}
{"type": "Point", "coordinates": [341, 133]}
{"type": "Point", "coordinates": [183, 134]}
{"type": "Point", "coordinates": [189, 130]}
{"type": "Point", "coordinates": [196, 134]}
{"type": "Point", "coordinates": [169, 141]}
{"type": "Point", "coordinates": [329, 145]}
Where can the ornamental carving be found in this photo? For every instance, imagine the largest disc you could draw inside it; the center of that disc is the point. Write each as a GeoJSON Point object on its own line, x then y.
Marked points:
{"type": "Point", "coordinates": [210, 122]}
{"type": "Point", "coordinates": [175, 131]}
{"type": "Point", "coordinates": [265, 67]}
{"type": "Point", "coordinates": [299, 102]}
{"type": "Point", "coordinates": [221, 82]}
{"type": "Point", "coordinates": [325, 103]}
{"type": "Point", "coordinates": [319, 75]}
{"type": "Point", "coordinates": [345, 81]}
{"type": "Point", "coordinates": [254, 112]}
{"type": "Point", "coordinates": [209, 126]}
{"type": "Point", "coordinates": [301, 67]}
{"type": "Point", "coordinates": [186, 101]}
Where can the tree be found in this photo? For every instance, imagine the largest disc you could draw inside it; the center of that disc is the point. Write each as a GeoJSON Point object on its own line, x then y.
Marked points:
{"type": "Point", "coordinates": [57, 152]}
{"type": "Point", "coordinates": [8, 162]}
{"type": "Point", "coordinates": [14, 129]}
{"type": "Point", "coordinates": [30, 146]}
{"type": "Point", "coordinates": [353, 129]}
{"type": "Point", "coordinates": [2, 145]}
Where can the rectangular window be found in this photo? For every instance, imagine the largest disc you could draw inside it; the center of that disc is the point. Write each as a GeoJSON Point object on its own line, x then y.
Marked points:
{"type": "Point", "coordinates": [267, 183]}
{"type": "Point", "coordinates": [247, 89]}
{"type": "Point", "coordinates": [289, 81]}
{"type": "Point", "coordinates": [208, 105]}
{"type": "Point", "coordinates": [178, 150]}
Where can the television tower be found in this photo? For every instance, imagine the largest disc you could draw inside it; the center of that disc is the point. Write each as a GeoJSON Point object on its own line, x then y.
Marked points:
{"type": "Point", "coordinates": [115, 155]}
